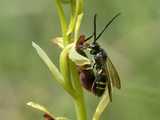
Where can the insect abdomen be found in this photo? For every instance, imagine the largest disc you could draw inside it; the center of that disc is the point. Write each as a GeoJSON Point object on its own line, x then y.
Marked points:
{"type": "Point", "coordinates": [100, 84]}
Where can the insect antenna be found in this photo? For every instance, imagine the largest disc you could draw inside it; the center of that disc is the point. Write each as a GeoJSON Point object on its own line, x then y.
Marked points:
{"type": "Point", "coordinates": [106, 26]}
{"type": "Point", "coordinates": [88, 37]}
{"type": "Point", "coordinates": [94, 33]}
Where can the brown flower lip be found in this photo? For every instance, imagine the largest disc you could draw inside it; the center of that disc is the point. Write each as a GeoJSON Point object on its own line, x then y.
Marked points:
{"type": "Point", "coordinates": [48, 117]}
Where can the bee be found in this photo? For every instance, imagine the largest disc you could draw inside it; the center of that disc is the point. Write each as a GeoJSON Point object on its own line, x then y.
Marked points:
{"type": "Point", "coordinates": [106, 74]}
{"type": "Point", "coordinates": [102, 74]}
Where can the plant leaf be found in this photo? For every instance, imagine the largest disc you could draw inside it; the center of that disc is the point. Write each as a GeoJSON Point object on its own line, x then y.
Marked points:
{"type": "Point", "coordinates": [55, 72]}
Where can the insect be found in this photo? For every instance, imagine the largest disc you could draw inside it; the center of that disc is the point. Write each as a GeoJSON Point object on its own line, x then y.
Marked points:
{"type": "Point", "coordinates": [104, 73]}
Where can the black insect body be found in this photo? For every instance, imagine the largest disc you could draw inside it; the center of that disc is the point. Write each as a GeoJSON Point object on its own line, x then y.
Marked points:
{"type": "Point", "coordinates": [105, 72]}
{"type": "Point", "coordinates": [102, 74]}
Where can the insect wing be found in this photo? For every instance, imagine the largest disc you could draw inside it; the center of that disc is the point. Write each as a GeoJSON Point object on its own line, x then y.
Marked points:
{"type": "Point", "coordinates": [113, 74]}
{"type": "Point", "coordinates": [109, 86]}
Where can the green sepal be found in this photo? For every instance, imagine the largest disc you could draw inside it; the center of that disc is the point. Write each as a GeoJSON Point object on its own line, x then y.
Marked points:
{"type": "Point", "coordinates": [103, 103]}
{"type": "Point", "coordinates": [58, 41]}
{"type": "Point", "coordinates": [54, 70]}
{"type": "Point", "coordinates": [77, 58]}
{"type": "Point", "coordinates": [45, 111]}
{"type": "Point", "coordinates": [40, 108]}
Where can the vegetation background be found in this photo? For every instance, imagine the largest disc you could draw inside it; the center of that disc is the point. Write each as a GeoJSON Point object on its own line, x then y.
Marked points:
{"type": "Point", "coordinates": [132, 42]}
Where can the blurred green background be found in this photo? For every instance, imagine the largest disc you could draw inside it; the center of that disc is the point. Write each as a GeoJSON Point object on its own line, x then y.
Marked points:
{"type": "Point", "coordinates": [133, 43]}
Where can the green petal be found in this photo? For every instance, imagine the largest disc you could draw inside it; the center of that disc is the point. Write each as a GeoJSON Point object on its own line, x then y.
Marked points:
{"type": "Point", "coordinates": [77, 58]}
{"type": "Point", "coordinates": [44, 110]}
{"type": "Point", "coordinates": [101, 106]}
{"type": "Point", "coordinates": [39, 107]}
{"type": "Point", "coordinates": [58, 41]}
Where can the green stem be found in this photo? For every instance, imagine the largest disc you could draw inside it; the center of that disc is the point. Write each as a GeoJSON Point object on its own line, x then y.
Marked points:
{"type": "Point", "coordinates": [76, 10]}
{"type": "Point", "coordinates": [79, 7]}
{"type": "Point", "coordinates": [79, 101]}
{"type": "Point", "coordinates": [63, 22]}
{"type": "Point", "coordinates": [64, 67]}
{"type": "Point", "coordinates": [80, 108]}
